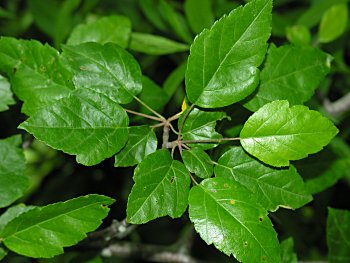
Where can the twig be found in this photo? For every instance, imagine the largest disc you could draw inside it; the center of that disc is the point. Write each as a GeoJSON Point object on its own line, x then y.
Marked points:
{"type": "Point", "coordinates": [144, 115]}
{"type": "Point", "coordinates": [339, 106]}
{"type": "Point", "coordinates": [149, 108]}
{"type": "Point", "coordinates": [165, 136]}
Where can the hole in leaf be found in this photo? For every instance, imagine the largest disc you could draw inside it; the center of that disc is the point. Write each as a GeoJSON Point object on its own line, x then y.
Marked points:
{"type": "Point", "coordinates": [172, 179]}
{"type": "Point", "coordinates": [232, 202]}
{"type": "Point", "coordinates": [261, 219]}
{"type": "Point", "coordinates": [245, 243]}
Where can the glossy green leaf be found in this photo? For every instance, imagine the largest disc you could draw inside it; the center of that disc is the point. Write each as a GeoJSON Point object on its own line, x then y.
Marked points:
{"type": "Point", "coordinates": [334, 23]}
{"type": "Point", "coordinates": [223, 63]}
{"type": "Point", "coordinates": [291, 73]}
{"type": "Point", "coordinates": [199, 14]}
{"type": "Point", "coordinates": [43, 231]}
{"type": "Point", "coordinates": [155, 45]}
{"type": "Point", "coordinates": [86, 124]}
{"type": "Point", "coordinates": [115, 29]}
{"type": "Point", "coordinates": [161, 188]}
{"type": "Point", "coordinates": [106, 69]}
{"type": "Point", "coordinates": [287, 251]}
{"type": "Point", "coordinates": [35, 71]}
{"type": "Point", "coordinates": [227, 215]}
{"type": "Point", "coordinates": [153, 95]}
{"type": "Point", "coordinates": [338, 235]}
{"type": "Point", "coordinates": [298, 35]}
{"type": "Point", "coordinates": [6, 98]}
{"type": "Point", "coordinates": [276, 133]}
{"type": "Point", "coordinates": [273, 187]}
{"type": "Point", "coordinates": [3, 253]}
{"type": "Point", "coordinates": [200, 125]}
{"type": "Point", "coordinates": [11, 213]}
{"type": "Point", "coordinates": [198, 162]}
{"type": "Point", "coordinates": [142, 142]}
{"type": "Point", "coordinates": [13, 181]}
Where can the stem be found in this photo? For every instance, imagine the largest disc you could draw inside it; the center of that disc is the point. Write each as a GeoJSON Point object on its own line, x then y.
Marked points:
{"type": "Point", "coordinates": [211, 140]}
{"type": "Point", "coordinates": [183, 120]}
{"type": "Point", "coordinates": [149, 108]}
{"type": "Point", "coordinates": [144, 115]}
{"type": "Point", "coordinates": [193, 180]}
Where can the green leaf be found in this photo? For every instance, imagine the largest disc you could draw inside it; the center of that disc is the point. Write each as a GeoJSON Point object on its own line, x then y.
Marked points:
{"type": "Point", "coordinates": [115, 29]}
{"type": "Point", "coordinates": [36, 73]}
{"type": "Point", "coordinates": [227, 215]}
{"type": "Point", "coordinates": [155, 45]}
{"type": "Point", "coordinates": [161, 188]}
{"type": "Point", "coordinates": [152, 14]}
{"type": "Point", "coordinates": [273, 187]}
{"type": "Point", "coordinates": [334, 23]}
{"type": "Point", "coordinates": [6, 98]}
{"type": "Point", "coordinates": [142, 142]}
{"type": "Point", "coordinates": [287, 251]}
{"type": "Point", "coordinates": [199, 14]}
{"type": "Point", "coordinates": [338, 235]}
{"type": "Point", "coordinates": [11, 213]}
{"type": "Point", "coordinates": [153, 95]}
{"type": "Point", "coordinates": [200, 125]}
{"type": "Point", "coordinates": [291, 73]}
{"type": "Point", "coordinates": [174, 80]}
{"type": "Point", "coordinates": [13, 181]}
{"type": "Point", "coordinates": [106, 69]}
{"type": "Point", "coordinates": [86, 124]}
{"type": "Point", "coordinates": [223, 63]}
{"type": "Point", "coordinates": [298, 35]}
{"type": "Point", "coordinates": [198, 162]}
{"type": "Point", "coordinates": [276, 134]}
{"type": "Point", "coordinates": [3, 253]}
{"type": "Point", "coordinates": [43, 231]}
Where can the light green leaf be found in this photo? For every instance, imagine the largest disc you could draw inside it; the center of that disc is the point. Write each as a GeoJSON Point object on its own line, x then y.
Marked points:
{"type": "Point", "coordinates": [334, 23]}
{"type": "Point", "coordinates": [36, 73]}
{"type": "Point", "coordinates": [11, 213]}
{"type": "Point", "coordinates": [106, 69]}
{"type": "Point", "coordinates": [223, 63]}
{"type": "Point", "coordinates": [155, 45]}
{"type": "Point", "coordinates": [142, 142]}
{"type": "Point", "coordinates": [198, 162]}
{"type": "Point", "coordinates": [115, 29]}
{"type": "Point", "coordinates": [287, 251]}
{"type": "Point", "coordinates": [291, 73]}
{"type": "Point", "coordinates": [43, 231]}
{"type": "Point", "coordinates": [298, 35]}
{"type": "Point", "coordinates": [86, 124]}
{"type": "Point", "coordinates": [338, 235]}
{"type": "Point", "coordinates": [227, 215]}
{"type": "Point", "coordinates": [200, 125]}
{"type": "Point", "coordinates": [273, 187]}
{"type": "Point", "coordinates": [6, 98]}
{"type": "Point", "coordinates": [276, 133]}
{"type": "Point", "coordinates": [3, 253]}
{"type": "Point", "coordinates": [153, 95]}
{"type": "Point", "coordinates": [199, 14]}
{"type": "Point", "coordinates": [161, 188]}
{"type": "Point", "coordinates": [13, 181]}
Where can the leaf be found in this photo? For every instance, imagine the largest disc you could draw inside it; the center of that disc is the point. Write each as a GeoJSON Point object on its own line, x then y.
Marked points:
{"type": "Point", "coordinates": [106, 69]}
{"type": "Point", "coordinates": [199, 14]}
{"type": "Point", "coordinates": [298, 35]}
{"type": "Point", "coordinates": [43, 231]}
{"type": "Point", "coordinates": [155, 45]}
{"type": "Point", "coordinates": [6, 98]}
{"type": "Point", "coordinates": [153, 95]}
{"type": "Point", "coordinates": [334, 23]}
{"type": "Point", "coordinates": [200, 125]}
{"type": "Point", "coordinates": [338, 235]}
{"type": "Point", "coordinates": [152, 14]}
{"type": "Point", "coordinates": [142, 142]}
{"type": "Point", "coordinates": [276, 134]}
{"type": "Point", "coordinates": [86, 124]}
{"type": "Point", "coordinates": [174, 80]}
{"type": "Point", "coordinates": [11, 213]}
{"type": "Point", "coordinates": [223, 63]}
{"type": "Point", "coordinates": [287, 251]}
{"type": "Point", "coordinates": [161, 188]}
{"type": "Point", "coordinates": [291, 73]}
{"type": "Point", "coordinates": [13, 181]}
{"type": "Point", "coordinates": [3, 253]}
{"type": "Point", "coordinates": [227, 215]}
{"type": "Point", "coordinates": [273, 187]}
{"type": "Point", "coordinates": [36, 72]}
{"type": "Point", "coordinates": [198, 162]}
{"type": "Point", "coordinates": [115, 29]}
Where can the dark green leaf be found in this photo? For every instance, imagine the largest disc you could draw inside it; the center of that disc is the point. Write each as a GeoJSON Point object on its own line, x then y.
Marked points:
{"type": "Point", "coordinates": [106, 69]}
{"type": "Point", "coordinates": [276, 133]}
{"type": "Point", "coordinates": [287, 251]}
{"type": "Point", "coordinates": [11, 213]}
{"type": "Point", "coordinates": [142, 142]}
{"type": "Point", "coordinates": [161, 188]}
{"type": "Point", "coordinates": [291, 73]}
{"type": "Point", "coordinates": [223, 62]}
{"type": "Point", "coordinates": [155, 45]}
{"type": "Point", "coordinates": [13, 181]}
{"type": "Point", "coordinates": [273, 187]}
{"type": "Point", "coordinates": [198, 162]}
{"type": "Point", "coordinates": [200, 125]}
{"type": "Point", "coordinates": [174, 80]}
{"type": "Point", "coordinates": [43, 231]}
{"type": "Point", "coordinates": [338, 235]}
{"type": "Point", "coordinates": [298, 35]}
{"type": "Point", "coordinates": [227, 215]}
{"type": "Point", "coordinates": [199, 14]}
{"type": "Point", "coordinates": [3, 253]}
{"type": "Point", "coordinates": [6, 98]}
{"type": "Point", "coordinates": [115, 29]}
{"type": "Point", "coordinates": [86, 124]}
{"type": "Point", "coordinates": [153, 95]}
{"type": "Point", "coordinates": [152, 13]}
